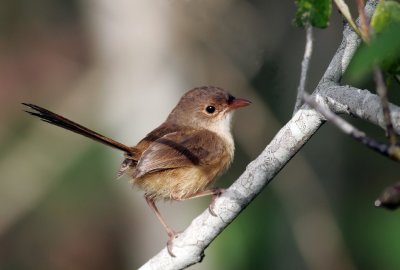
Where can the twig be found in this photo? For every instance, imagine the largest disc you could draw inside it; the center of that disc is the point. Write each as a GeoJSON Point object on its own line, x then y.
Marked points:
{"type": "Point", "coordinates": [344, 9]}
{"type": "Point", "coordinates": [378, 77]}
{"type": "Point", "coordinates": [382, 92]}
{"type": "Point", "coordinates": [365, 27]}
{"type": "Point", "coordinates": [304, 68]}
{"type": "Point", "coordinates": [384, 149]}
{"type": "Point", "coordinates": [390, 197]}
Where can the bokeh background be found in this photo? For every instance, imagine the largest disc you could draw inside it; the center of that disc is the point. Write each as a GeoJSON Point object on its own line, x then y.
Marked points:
{"type": "Point", "coordinates": [119, 67]}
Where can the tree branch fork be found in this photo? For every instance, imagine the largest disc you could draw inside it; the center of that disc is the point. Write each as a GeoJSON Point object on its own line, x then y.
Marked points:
{"type": "Point", "coordinates": [189, 246]}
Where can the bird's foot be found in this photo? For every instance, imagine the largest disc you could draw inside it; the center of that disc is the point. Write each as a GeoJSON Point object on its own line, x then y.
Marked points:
{"type": "Point", "coordinates": [216, 194]}
{"type": "Point", "coordinates": [171, 236]}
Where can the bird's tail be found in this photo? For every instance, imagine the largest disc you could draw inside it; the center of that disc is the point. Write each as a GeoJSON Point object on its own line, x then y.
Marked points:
{"type": "Point", "coordinates": [58, 120]}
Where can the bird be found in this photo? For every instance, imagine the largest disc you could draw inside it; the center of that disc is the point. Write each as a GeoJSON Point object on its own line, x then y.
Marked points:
{"type": "Point", "coordinates": [181, 158]}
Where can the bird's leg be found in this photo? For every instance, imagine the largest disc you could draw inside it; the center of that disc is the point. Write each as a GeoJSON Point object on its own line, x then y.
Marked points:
{"type": "Point", "coordinates": [170, 232]}
{"type": "Point", "coordinates": [215, 192]}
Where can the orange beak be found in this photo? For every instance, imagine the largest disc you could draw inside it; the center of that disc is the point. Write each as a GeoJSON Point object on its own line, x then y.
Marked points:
{"type": "Point", "coordinates": [238, 103]}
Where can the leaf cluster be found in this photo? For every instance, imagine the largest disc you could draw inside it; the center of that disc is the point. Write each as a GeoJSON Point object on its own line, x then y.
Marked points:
{"type": "Point", "coordinates": [313, 12]}
{"type": "Point", "coordinates": [384, 48]}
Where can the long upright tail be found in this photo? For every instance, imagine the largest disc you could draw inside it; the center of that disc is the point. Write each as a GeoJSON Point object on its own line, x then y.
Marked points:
{"type": "Point", "coordinates": [58, 120]}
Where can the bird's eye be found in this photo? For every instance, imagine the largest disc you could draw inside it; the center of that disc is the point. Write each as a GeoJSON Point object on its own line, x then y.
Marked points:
{"type": "Point", "coordinates": [210, 109]}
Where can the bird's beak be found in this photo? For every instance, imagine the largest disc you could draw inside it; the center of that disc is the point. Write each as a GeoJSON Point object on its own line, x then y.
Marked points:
{"type": "Point", "coordinates": [238, 103]}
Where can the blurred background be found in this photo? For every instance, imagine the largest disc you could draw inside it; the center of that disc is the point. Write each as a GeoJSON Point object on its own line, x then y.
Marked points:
{"type": "Point", "coordinates": [119, 67]}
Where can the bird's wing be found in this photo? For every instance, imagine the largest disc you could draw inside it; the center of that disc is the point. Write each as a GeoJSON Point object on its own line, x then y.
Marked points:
{"type": "Point", "coordinates": [180, 149]}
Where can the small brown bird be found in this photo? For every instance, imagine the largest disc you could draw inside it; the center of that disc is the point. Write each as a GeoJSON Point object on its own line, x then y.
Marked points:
{"type": "Point", "coordinates": [181, 158]}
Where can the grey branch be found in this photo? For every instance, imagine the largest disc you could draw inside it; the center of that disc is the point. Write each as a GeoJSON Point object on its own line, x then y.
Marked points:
{"type": "Point", "coordinates": [304, 68]}
{"type": "Point", "coordinates": [359, 103]}
{"type": "Point", "coordinates": [346, 50]}
{"type": "Point", "coordinates": [190, 245]}
{"type": "Point", "coordinates": [378, 77]}
{"type": "Point", "coordinates": [390, 151]}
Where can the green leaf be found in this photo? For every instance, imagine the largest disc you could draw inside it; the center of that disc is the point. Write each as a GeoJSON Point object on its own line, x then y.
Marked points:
{"type": "Point", "coordinates": [386, 13]}
{"type": "Point", "coordinates": [313, 12]}
{"type": "Point", "coordinates": [384, 50]}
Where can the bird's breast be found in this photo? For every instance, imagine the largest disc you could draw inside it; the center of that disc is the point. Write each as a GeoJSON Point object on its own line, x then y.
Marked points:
{"type": "Point", "coordinates": [181, 183]}
{"type": "Point", "coordinates": [178, 184]}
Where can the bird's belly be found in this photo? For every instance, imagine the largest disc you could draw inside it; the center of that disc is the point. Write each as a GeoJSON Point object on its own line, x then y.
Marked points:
{"type": "Point", "coordinates": [178, 184]}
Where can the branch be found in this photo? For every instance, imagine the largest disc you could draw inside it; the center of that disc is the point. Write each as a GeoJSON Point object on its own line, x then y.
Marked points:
{"type": "Point", "coordinates": [344, 9]}
{"type": "Point", "coordinates": [359, 103]}
{"type": "Point", "coordinates": [189, 246]}
{"type": "Point", "coordinates": [378, 77]}
{"type": "Point", "coordinates": [304, 68]}
{"type": "Point", "coordinates": [346, 50]}
{"type": "Point", "coordinates": [391, 151]}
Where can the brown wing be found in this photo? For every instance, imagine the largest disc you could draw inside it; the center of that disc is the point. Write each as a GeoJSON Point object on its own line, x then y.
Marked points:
{"type": "Point", "coordinates": [181, 149]}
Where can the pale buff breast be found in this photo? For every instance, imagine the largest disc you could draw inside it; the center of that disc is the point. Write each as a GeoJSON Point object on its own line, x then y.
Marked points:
{"type": "Point", "coordinates": [180, 183]}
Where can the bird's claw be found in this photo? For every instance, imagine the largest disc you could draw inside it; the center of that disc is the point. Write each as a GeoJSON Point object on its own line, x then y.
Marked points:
{"type": "Point", "coordinates": [171, 236]}
{"type": "Point", "coordinates": [216, 195]}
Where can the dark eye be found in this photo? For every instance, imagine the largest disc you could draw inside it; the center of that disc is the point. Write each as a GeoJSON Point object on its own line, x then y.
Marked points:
{"type": "Point", "coordinates": [210, 109]}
